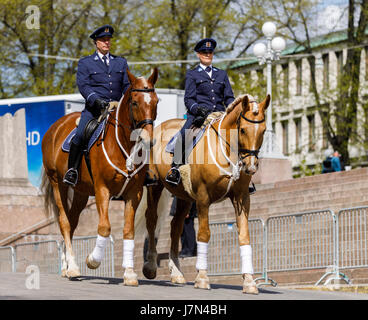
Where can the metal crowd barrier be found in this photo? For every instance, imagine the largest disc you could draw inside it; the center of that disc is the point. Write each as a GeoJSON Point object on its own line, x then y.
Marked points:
{"type": "Point", "coordinates": [353, 237]}
{"type": "Point", "coordinates": [224, 255]}
{"type": "Point", "coordinates": [44, 254]}
{"type": "Point", "coordinates": [82, 246]}
{"type": "Point", "coordinates": [47, 255]}
{"type": "Point", "coordinates": [7, 259]}
{"type": "Point", "coordinates": [300, 241]}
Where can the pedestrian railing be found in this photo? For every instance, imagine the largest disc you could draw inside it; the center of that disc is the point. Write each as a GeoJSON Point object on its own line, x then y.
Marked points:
{"type": "Point", "coordinates": [300, 241]}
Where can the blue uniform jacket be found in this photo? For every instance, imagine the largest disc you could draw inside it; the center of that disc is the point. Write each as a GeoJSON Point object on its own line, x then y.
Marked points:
{"type": "Point", "coordinates": [213, 93]}
{"type": "Point", "coordinates": [200, 90]}
{"type": "Point", "coordinates": [95, 80]}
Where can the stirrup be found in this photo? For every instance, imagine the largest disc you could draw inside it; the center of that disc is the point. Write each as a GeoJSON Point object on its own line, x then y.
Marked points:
{"type": "Point", "coordinates": [71, 177]}
{"type": "Point", "coordinates": [173, 182]}
{"type": "Point", "coordinates": [252, 189]}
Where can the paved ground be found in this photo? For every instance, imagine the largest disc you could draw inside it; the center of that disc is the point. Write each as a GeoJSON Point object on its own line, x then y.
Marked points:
{"type": "Point", "coordinates": [13, 286]}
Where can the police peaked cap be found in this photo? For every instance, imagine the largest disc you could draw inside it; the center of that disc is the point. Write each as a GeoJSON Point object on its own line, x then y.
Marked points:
{"type": "Point", "coordinates": [206, 44]}
{"type": "Point", "coordinates": [104, 31]}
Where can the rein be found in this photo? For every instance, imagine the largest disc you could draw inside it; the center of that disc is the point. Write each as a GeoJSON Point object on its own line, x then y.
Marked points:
{"type": "Point", "coordinates": [136, 148]}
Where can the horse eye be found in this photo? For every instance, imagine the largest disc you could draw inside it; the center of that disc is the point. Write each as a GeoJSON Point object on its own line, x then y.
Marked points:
{"type": "Point", "coordinates": [135, 103]}
{"type": "Point", "coordinates": [242, 131]}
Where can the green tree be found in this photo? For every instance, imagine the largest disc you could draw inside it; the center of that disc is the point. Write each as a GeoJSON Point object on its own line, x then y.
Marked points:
{"type": "Point", "coordinates": [338, 109]}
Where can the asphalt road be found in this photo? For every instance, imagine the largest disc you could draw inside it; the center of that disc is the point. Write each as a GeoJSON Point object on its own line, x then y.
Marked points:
{"type": "Point", "coordinates": [21, 286]}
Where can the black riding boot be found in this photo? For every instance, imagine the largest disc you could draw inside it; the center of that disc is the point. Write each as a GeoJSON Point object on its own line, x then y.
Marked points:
{"type": "Point", "coordinates": [173, 176]}
{"type": "Point", "coordinates": [75, 158]}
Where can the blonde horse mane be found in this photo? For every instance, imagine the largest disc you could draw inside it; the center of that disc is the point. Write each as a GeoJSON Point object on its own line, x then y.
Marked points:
{"type": "Point", "coordinates": [239, 99]}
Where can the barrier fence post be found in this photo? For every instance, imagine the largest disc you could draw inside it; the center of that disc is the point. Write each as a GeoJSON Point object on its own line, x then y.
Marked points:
{"type": "Point", "coordinates": [335, 273]}
{"type": "Point", "coordinates": [264, 277]}
{"type": "Point", "coordinates": [112, 256]}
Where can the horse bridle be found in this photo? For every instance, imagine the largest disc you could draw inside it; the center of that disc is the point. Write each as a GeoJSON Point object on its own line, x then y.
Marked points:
{"type": "Point", "coordinates": [243, 153]}
{"type": "Point", "coordinates": [143, 123]}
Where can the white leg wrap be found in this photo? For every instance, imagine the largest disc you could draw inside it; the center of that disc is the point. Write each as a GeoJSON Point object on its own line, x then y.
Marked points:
{"type": "Point", "coordinates": [128, 253]}
{"type": "Point", "coordinates": [246, 257]}
{"type": "Point", "coordinates": [202, 250]}
{"type": "Point", "coordinates": [98, 252]}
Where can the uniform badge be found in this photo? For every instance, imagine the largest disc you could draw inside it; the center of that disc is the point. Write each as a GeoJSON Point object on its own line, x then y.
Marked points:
{"type": "Point", "coordinates": [208, 44]}
{"type": "Point", "coordinates": [106, 29]}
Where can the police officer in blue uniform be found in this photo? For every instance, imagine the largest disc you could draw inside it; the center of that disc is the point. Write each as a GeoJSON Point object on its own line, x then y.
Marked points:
{"type": "Point", "coordinates": [101, 78]}
{"type": "Point", "coordinates": [207, 89]}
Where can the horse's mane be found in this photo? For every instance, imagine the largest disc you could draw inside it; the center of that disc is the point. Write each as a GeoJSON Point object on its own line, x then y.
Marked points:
{"type": "Point", "coordinates": [238, 99]}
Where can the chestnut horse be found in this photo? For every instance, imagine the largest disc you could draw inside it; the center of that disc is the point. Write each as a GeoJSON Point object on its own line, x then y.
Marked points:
{"type": "Point", "coordinates": [237, 136]}
{"type": "Point", "coordinates": [114, 169]}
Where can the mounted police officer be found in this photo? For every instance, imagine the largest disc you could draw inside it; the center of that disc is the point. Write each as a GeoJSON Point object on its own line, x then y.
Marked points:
{"type": "Point", "coordinates": [101, 78]}
{"type": "Point", "coordinates": [207, 89]}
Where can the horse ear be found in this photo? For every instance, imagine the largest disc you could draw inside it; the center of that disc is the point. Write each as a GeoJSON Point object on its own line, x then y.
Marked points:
{"type": "Point", "coordinates": [266, 102]}
{"type": "Point", "coordinates": [153, 77]}
{"type": "Point", "coordinates": [131, 77]}
{"type": "Point", "coordinates": [245, 104]}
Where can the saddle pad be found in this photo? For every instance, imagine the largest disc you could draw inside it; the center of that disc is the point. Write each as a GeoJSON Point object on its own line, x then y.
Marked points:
{"type": "Point", "coordinates": [196, 132]}
{"type": "Point", "coordinates": [197, 135]}
{"type": "Point", "coordinates": [66, 145]}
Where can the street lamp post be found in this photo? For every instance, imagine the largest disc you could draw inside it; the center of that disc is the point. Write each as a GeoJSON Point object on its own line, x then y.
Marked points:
{"type": "Point", "coordinates": [266, 54]}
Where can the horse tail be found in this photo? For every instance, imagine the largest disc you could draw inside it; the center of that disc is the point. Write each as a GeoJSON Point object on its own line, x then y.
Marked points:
{"type": "Point", "coordinates": [49, 200]}
{"type": "Point", "coordinates": [140, 215]}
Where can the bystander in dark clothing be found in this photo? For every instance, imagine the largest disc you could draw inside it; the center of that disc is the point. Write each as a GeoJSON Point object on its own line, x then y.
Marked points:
{"type": "Point", "coordinates": [188, 236]}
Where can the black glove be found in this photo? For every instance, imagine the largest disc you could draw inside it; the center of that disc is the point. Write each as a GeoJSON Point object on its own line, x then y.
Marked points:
{"type": "Point", "coordinates": [202, 112]}
{"type": "Point", "coordinates": [100, 104]}
{"type": "Point", "coordinates": [198, 121]}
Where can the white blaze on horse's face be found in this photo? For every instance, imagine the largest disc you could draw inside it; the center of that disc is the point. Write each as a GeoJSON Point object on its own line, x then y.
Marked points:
{"type": "Point", "coordinates": [146, 95]}
{"type": "Point", "coordinates": [251, 133]}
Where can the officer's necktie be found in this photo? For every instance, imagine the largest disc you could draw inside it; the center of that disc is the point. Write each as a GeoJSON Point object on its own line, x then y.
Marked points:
{"type": "Point", "coordinates": [208, 69]}
{"type": "Point", "coordinates": [104, 58]}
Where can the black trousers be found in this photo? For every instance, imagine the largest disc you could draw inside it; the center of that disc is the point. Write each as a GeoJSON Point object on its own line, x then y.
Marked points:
{"type": "Point", "coordinates": [188, 237]}
{"type": "Point", "coordinates": [181, 143]}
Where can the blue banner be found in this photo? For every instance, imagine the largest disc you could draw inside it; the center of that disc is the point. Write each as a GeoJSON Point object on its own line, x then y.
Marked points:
{"type": "Point", "coordinates": [39, 117]}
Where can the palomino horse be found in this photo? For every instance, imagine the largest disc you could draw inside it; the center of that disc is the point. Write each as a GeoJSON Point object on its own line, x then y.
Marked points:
{"type": "Point", "coordinates": [115, 172]}
{"type": "Point", "coordinates": [239, 133]}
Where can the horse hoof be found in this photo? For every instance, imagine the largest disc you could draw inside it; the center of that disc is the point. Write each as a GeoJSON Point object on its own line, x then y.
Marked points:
{"type": "Point", "coordinates": [73, 273]}
{"type": "Point", "coordinates": [148, 272]}
{"type": "Point", "coordinates": [249, 285]}
{"type": "Point", "coordinates": [64, 273]}
{"type": "Point", "coordinates": [202, 281]}
{"type": "Point", "coordinates": [250, 289]}
{"type": "Point", "coordinates": [131, 282]}
{"type": "Point", "coordinates": [130, 278]}
{"type": "Point", "coordinates": [178, 280]}
{"type": "Point", "coordinates": [202, 284]}
{"type": "Point", "coordinates": [91, 264]}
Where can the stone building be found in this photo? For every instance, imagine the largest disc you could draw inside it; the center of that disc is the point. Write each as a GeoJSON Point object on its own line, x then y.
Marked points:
{"type": "Point", "coordinates": [297, 124]}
